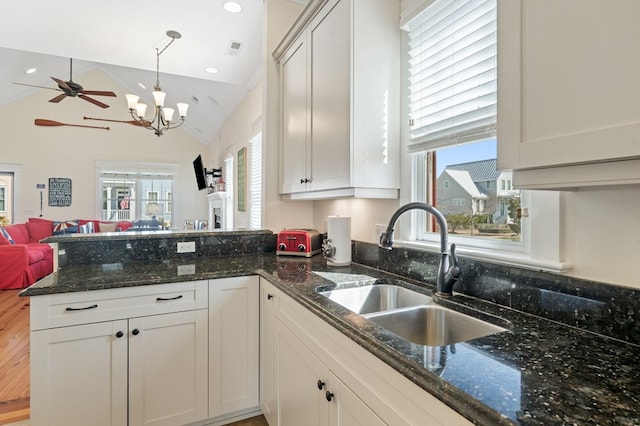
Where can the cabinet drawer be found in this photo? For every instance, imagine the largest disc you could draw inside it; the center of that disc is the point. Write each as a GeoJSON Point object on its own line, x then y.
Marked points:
{"type": "Point", "coordinates": [64, 309]}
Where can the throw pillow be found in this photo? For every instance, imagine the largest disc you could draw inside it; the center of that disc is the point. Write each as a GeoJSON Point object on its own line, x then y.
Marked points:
{"type": "Point", "coordinates": [5, 236]}
{"type": "Point", "coordinates": [107, 226]}
{"type": "Point", "coordinates": [39, 229]}
{"type": "Point", "coordinates": [66, 227]}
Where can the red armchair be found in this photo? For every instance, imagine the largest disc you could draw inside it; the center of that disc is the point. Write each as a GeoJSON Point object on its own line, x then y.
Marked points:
{"type": "Point", "coordinates": [26, 260]}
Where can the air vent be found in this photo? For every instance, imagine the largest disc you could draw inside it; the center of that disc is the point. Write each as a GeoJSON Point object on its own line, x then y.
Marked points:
{"type": "Point", "coordinates": [234, 48]}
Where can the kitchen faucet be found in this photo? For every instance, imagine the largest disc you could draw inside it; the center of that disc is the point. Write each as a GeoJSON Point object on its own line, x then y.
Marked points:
{"type": "Point", "coordinates": [448, 270]}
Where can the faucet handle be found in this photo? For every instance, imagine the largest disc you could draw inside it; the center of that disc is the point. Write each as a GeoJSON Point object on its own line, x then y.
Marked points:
{"type": "Point", "coordinates": [454, 269]}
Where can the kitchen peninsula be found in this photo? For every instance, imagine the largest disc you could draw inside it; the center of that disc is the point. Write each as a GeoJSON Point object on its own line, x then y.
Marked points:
{"type": "Point", "coordinates": [538, 372]}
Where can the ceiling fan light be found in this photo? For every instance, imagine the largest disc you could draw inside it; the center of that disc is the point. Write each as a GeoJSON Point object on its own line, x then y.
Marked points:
{"type": "Point", "coordinates": [141, 110]}
{"type": "Point", "coordinates": [168, 114]}
{"type": "Point", "coordinates": [132, 100]}
{"type": "Point", "coordinates": [158, 97]}
{"type": "Point", "coordinates": [182, 109]}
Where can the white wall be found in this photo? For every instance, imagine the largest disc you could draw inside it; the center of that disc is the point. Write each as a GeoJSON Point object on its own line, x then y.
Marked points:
{"type": "Point", "coordinates": [72, 152]}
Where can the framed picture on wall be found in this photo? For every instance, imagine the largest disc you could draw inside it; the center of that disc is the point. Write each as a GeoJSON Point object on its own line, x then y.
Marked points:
{"type": "Point", "coordinates": [242, 179]}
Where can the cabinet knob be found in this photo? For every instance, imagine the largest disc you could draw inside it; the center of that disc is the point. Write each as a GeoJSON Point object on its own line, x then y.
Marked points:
{"type": "Point", "coordinates": [329, 396]}
{"type": "Point", "coordinates": [119, 334]}
{"type": "Point", "coordinates": [135, 332]}
{"type": "Point", "coordinates": [269, 296]}
{"type": "Point", "coordinates": [320, 384]}
{"type": "Point", "coordinates": [305, 180]}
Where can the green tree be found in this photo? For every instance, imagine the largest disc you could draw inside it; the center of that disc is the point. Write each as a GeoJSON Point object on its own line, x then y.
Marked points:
{"type": "Point", "coordinates": [456, 220]}
{"type": "Point", "coordinates": [514, 208]}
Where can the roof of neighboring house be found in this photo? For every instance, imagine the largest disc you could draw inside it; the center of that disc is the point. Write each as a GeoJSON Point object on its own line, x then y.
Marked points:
{"type": "Point", "coordinates": [463, 178]}
{"type": "Point", "coordinates": [480, 171]}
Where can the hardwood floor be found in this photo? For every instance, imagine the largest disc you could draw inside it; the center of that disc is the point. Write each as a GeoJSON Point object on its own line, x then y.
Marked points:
{"type": "Point", "coordinates": [14, 356]}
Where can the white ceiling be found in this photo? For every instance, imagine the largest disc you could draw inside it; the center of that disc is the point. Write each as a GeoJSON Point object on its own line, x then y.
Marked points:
{"type": "Point", "coordinates": [120, 38]}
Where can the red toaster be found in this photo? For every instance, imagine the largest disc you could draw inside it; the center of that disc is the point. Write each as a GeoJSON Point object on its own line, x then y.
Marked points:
{"type": "Point", "coordinates": [298, 242]}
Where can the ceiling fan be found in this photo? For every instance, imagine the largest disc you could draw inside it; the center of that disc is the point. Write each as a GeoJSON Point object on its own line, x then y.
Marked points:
{"type": "Point", "coordinates": [73, 89]}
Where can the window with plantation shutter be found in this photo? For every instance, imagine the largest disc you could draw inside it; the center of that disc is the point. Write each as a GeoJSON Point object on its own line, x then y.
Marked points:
{"type": "Point", "coordinates": [255, 206]}
{"type": "Point", "coordinates": [229, 188]}
{"type": "Point", "coordinates": [452, 70]}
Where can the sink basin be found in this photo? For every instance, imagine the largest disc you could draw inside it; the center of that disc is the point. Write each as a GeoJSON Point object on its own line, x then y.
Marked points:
{"type": "Point", "coordinates": [433, 325]}
{"type": "Point", "coordinates": [411, 315]}
{"type": "Point", "coordinates": [376, 298]}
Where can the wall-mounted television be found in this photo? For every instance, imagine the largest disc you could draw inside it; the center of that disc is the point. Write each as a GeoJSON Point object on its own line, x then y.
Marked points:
{"type": "Point", "coordinates": [201, 172]}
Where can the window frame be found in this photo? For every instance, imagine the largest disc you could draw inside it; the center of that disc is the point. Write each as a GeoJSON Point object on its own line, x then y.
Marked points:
{"type": "Point", "coordinates": [541, 250]}
{"type": "Point", "coordinates": [137, 171]}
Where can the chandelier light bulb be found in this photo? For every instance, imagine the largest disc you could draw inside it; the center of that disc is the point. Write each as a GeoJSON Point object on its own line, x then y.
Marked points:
{"type": "Point", "coordinates": [182, 109]}
{"type": "Point", "coordinates": [132, 100]}
{"type": "Point", "coordinates": [141, 110]}
{"type": "Point", "coordinates": [168, 114]}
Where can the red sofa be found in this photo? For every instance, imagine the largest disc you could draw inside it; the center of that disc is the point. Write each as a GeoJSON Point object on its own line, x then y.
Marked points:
{"type": "Point", "coordinates": [24, 260]}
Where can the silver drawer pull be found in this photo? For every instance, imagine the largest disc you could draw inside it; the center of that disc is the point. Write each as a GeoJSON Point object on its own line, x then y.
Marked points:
{"type": "Point", "coordinates": [164, 299]}
{"type": "Point", "coordinates": [81, 309]}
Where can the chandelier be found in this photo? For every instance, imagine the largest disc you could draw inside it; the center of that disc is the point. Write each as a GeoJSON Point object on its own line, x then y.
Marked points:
{"type": "Point", "coordinates": [162, 117]}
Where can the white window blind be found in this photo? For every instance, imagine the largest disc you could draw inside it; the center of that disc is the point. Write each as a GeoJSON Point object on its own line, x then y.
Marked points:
{"type": "Point", "coordinates": [228, 187]}
{"type": "Point", "coordinates": [452, 69]}
{"type": "Point", "coordinates": [255, 207]}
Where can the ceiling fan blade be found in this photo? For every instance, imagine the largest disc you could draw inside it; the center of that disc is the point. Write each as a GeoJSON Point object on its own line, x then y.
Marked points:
{"type": "Point", "coordinates": [93, 101]}
{"type": "Point", "coordinates": [98, 93]}
{"type": "Point", "coordinates": [58, 98]}
{"type": "Point", "coordinates": [62, 84]}
{"type": "Point", "coordinates": [40, 87]}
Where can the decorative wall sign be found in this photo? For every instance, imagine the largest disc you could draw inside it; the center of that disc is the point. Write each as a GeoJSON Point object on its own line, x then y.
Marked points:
{"type": "Point", "coordinates": [59, 192]}
{"type": "Point", "coordinates": [242, 179]}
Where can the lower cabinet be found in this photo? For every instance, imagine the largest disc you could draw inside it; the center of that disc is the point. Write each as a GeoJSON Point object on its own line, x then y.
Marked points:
{"type": "Point", "coordinates": [308, 393]}
{"type": "Point", "coordinates": [233, 345]}
{"type": "Point", "coordinates": [94, 362]}
{"type": "Point", "coordinates": [313, 375]}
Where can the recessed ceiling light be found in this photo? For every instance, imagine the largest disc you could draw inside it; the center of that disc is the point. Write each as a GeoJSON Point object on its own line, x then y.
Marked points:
{"type": "Point", "coordinates": [211, 70]}
{"type": "Point", "coordinates": [30, 71]}
{"type": "Point", "coordinates": [232, 7]}
{"type": "Point", "coordinates": [142, 85]}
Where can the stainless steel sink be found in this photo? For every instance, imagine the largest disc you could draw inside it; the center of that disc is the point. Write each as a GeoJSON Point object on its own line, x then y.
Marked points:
{"type": "Point", "coordinates": [433, 325]}
{"type": "Point", "coordinates": [376, 298]}
{"type": "Point", "coordinates": [411, 315]}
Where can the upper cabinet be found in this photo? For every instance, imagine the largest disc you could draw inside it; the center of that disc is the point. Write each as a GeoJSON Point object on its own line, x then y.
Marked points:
{"type": "Point", "coordinates": [569, 92]}
{"type": "Point", "coordinates": [339, 101]}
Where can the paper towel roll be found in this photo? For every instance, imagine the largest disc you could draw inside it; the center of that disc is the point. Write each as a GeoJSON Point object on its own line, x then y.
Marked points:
{"type": "Point", "coordinates": [339, 236]}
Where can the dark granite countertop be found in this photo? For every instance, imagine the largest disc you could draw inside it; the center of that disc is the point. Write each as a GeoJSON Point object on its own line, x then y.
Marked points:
{"type": "Point", "coordinates": [540, 372]}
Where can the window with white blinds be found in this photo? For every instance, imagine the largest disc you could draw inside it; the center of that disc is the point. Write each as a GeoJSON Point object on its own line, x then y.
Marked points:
{"type": "Point", "coordinates": [229, 188]}
{"type": "Point", "coordinates": [255, 206]}
{"type": "Point", "coordinates": [452, 69]}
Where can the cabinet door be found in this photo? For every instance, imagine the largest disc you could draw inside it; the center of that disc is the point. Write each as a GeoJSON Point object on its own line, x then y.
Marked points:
{"type": "Point", "coordinates": [568, 86]}
{"type": "Point", "coordinates": [79, 375]}
{"type": "Point", "coordinates": [168, 368]}
{"type": "Point", "coordinates": [295, 119]}
{"type": "Point", "coordinates": [233, 344]}
{"type": "Point", "coordinates": [330, 73]}
{"type": "Point", "coordinates": [346, 409]}
{"type": "Point", "coordinates": [268, 307]}
{"type": "Point", "coordinates": [301, 382]}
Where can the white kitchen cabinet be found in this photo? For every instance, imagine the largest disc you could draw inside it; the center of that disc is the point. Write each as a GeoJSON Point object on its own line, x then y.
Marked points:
{"type": "Point", "coordinates": [233, 345]}
{"type": "Point", "coordinates": [568, 92]}
{"type": "Point", "coordinates": [339, 68]}
{"type": "Point", "coordinates": [302, 350]}
{"type": "Point", "coordinates": [269, 298]}
{"type": "Point", "coordinates": [308, 393]}
{"type": "Point", "coordinates": [94, 361]}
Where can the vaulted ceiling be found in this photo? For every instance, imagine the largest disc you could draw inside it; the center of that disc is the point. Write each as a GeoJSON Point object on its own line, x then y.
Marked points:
{"type": "Point", "coordinates": [120, 37]}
